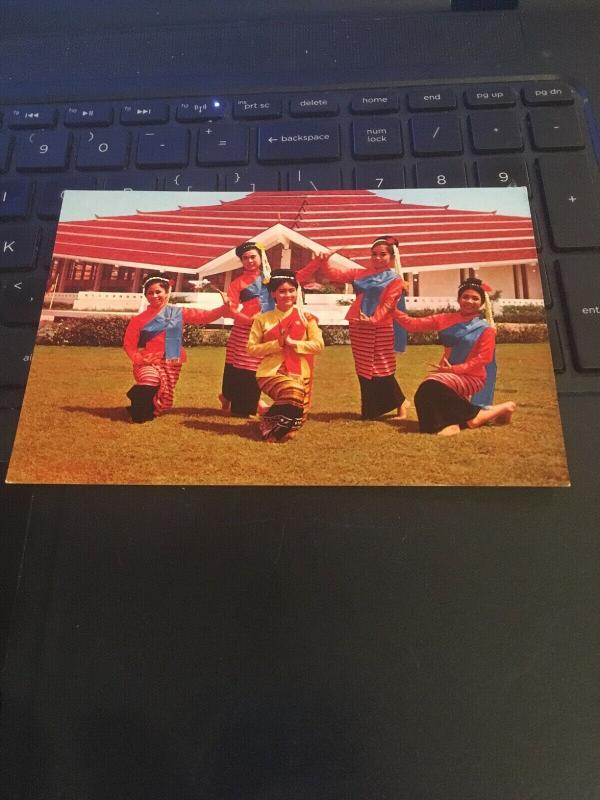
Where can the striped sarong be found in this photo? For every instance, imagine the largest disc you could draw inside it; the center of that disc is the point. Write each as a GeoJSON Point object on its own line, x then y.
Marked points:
{"type": "Point", "coordinates": [291, 396]}
{"type": "Point", "coordinates": [165, 375]}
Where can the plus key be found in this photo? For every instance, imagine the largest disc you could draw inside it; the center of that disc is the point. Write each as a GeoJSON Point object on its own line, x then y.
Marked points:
{"type": "Point", "coordinates": [571, 197]}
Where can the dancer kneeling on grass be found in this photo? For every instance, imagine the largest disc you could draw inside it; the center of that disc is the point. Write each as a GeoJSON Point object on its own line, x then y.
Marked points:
{"type": "Point", "coordinates": [459, 394]}
{"type": "Point", "coordinates": [248, 296]}
{"type": "Point", "coordinates": [286, 339]}
{"type": "Point", "coordinates": [379, 291]}
{"type": "Point", "coordinates": [153, 343]}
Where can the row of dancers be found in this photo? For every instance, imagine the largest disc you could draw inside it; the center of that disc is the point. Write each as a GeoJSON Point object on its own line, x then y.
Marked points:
{"type": "Point", "coordinates": [274, 340]}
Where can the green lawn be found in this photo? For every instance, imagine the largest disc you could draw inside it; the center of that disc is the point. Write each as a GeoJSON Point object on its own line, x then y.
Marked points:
{"type": "Point", "coordinates": [74, 428]}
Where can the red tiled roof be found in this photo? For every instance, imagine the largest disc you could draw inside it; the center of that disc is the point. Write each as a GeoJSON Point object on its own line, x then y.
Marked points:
{"type": "Point", "coordinates": [191, 238]}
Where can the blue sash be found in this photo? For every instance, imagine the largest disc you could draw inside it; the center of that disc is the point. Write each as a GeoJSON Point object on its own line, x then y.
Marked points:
{"type": "Point", "coordinates": [258, 289]}
{"type": "Point", "coordinates": [169, 319]}
{"type": "Point", "coordinates": [461, 338]}
{"type": "Point", "coordinates": [371, 288]}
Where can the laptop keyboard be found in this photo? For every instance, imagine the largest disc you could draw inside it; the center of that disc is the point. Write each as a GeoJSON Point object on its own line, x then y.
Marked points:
{"type": "Point", "coordinates": [532, 133]}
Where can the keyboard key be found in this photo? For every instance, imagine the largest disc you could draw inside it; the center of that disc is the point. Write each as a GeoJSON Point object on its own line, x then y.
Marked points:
{"type": "Point", "coordinates": [50, 194]}
{"type": "Point", "coordinates": [201, 109]}
{"type": "Point", "coordinates": [103, 150]}
{"type": "Point", "coordinates": [31, 117]}
{"type": "Point", "coordinates": [9, 417]}
{"type": "Point", "coordinates": [257, 108]}
{"type": "Point", "coordinates": [14, 199]}
{"type": "Point", "coordinates": [150, 113]}
{"type": "Point", "coordinates": [166, 147]}
{"type": "Point", "coordinates": [376, 138]}
{"type": "Point", "coordinates": [502, 171]}
{"type": "Point", "coordinates": [222, 143]}
{"type": "Point", "coordinates": [251, 180]}
{"type": "Point", "coordinates": [303, 140]}
{"type": "Point", "coordinates": [571, 196]}
{"type": "Point", "coordinates": [369, 102]}
{"type": "Point", "coordinates": [495, 131]}
{"type": "Point", "coordinates": [19, 246]}
{"type": "Point", "coordinates": [432, 99]}
{"type": "Point", "coordinates": [11, 397]}
{"type": "Point", "coordinates": [43, 151]}
{"type": "Point", "coordinates": [314, 177]}
{"type": "Point", "coordinates": [436, 134]}
{"type": "Point", "coordinates": [556, 348]}
{"type": "Point", "coordinates": [379, 176]}
{"type": "Point", "coordinates": [89, 115]}
{"type": "Point", "coordinates": [555, 129]}
{"type": "Point", "coordinates": [129, 182]}
{"type": "Point", "coordinates": [441, 174]}
{"type": "Point", "coordinates": [192, 180]}
{"type": "Point", "coordinates": [580, 285]}
{"type": "Point", "coordinates": [490, 97]}
{"type": "Point", "coordinates": [5, 148]}
{"type": "Point", "coordinates": [16, 348]}
{"type": "Point", "coordinates": [314, 105]}
{"type": "Point", "coordinates": [21, 300]}
{"type": "Point", "coordinates": [541, 94]}
{"type": "Point", "coordinates": [548, 299]}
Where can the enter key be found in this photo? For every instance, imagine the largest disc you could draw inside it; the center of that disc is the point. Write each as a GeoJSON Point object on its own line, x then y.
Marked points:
{"type": "Point", "coordinates": [579, 277]}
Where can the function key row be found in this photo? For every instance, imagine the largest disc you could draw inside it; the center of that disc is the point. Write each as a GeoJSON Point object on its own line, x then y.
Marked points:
{"type": "Point", "coordinates": [251, 107]}
{"type": "Point", "coordinates": [293, 141]}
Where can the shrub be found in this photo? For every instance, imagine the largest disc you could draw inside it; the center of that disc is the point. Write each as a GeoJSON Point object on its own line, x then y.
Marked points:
{"type": "Point", "coordinates": [521, 334]}
{"type": "Point", "coordinates": [193, 336]}
{"type": "Point", "coordinates": [103, 332]}
{"type": "Point", "coordinates": [335, 334]}
{"type": "Point", "coordinates": [530, 313]}
{"type": "Point", "coordinates": [109, 332]}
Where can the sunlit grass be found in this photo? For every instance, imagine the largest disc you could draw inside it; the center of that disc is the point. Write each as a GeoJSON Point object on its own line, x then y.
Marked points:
{"type": "Point", "coordinates": [74, 428]}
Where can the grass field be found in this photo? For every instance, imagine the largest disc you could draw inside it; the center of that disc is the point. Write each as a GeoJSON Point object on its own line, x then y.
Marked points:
{"type": "Point", "coordinates": [74, 428]}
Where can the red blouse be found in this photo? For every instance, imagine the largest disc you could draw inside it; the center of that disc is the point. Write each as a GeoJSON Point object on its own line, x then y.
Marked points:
{"type": "Point", "coordinates": [156, 345]}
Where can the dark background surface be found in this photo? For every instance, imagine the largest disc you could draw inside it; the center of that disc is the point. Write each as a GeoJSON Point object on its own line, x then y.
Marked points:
{"type": "Point", "coordinates": [287, 643]}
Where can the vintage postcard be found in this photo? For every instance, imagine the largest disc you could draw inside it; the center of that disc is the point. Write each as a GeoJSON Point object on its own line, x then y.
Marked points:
{"type": "Point", "coordinates": [293, 338]}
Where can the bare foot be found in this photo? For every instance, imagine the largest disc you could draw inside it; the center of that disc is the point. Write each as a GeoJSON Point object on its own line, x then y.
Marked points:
{"type": "Point", "coordinates": [449, 430]}
{"type": "Point", "coordinates": [499, 414]}
{"type": "Point", "coordinates": [225, 404]}
{"type": "Point", "coordinates": [262, 408]}
{"type": "Point", "coordinates": [403, 410]}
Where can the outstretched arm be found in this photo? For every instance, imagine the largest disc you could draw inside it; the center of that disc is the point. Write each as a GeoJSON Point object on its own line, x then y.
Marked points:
{"type": "Point", "coordinates": [433, 322]}
{"type": "Point", "coordinates": [321, 265]}
{"type": "Point", "coordinates": [201, 316]}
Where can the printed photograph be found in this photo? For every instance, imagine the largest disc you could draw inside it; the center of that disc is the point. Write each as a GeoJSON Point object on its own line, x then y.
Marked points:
{"type": "Point", "coordinates": [346, 337]}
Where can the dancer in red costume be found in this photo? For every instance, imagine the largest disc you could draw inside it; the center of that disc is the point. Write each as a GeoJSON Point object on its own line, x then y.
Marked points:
{"type": "Point", "coordinates": [379, 290]}
{"type": "Point", "coordinates": [248, 296]}
{"type": "Point", "coordinates": [459, 392]}
{"type": "Point", "coordinates": [153, 343]}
